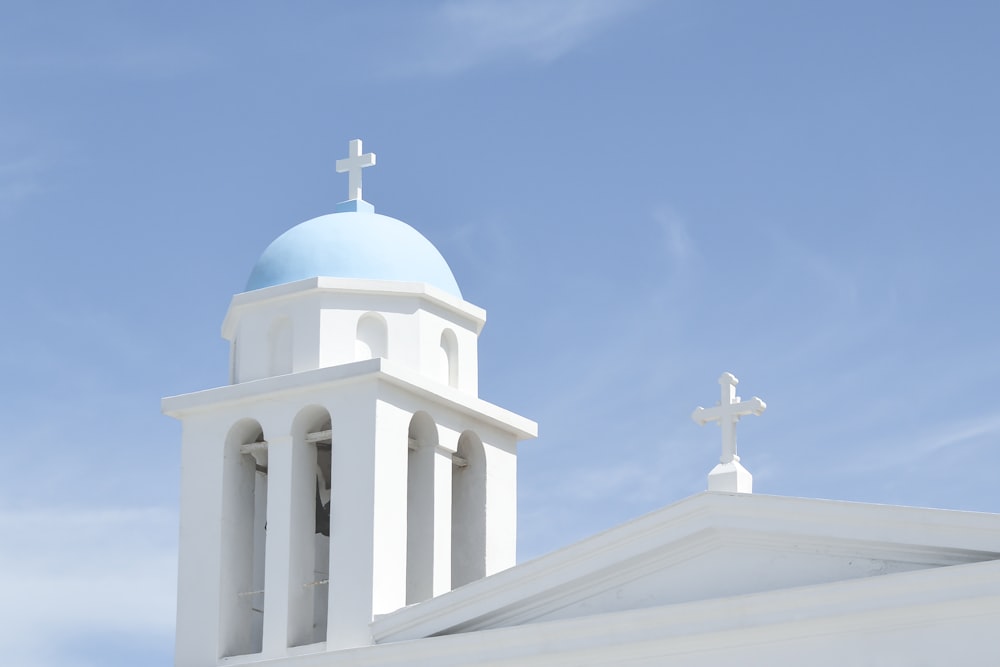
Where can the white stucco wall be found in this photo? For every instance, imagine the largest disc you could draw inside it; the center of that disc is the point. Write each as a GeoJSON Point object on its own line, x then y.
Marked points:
{"type": "Point", "coordinates": [371, 405]}
{"type": "Point", "coordinates": [314, 324]}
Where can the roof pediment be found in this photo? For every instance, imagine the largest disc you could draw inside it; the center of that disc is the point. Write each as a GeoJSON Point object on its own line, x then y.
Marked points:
{"type": "Point", "coordinates": [706, 547]}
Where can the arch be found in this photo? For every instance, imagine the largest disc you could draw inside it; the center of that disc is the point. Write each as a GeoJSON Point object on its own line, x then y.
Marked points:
{"type": "Point", "coordinates": [468, 511]}
{"type": "Point", "coordinates": [244, 516]}
{"type": "Point", "coordinates": [372, 340]}
{"type": "Point", "coordinates": [310, 534]}
{"type": "Point", "coordinates": [449, 358]}
{"type": "Point", "coordinates": [280, 347]}
{"type": "Point", "coordinates": [423, 442]}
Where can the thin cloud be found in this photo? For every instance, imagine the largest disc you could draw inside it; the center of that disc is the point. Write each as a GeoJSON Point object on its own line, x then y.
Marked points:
{"type": "Point", "coordinates": [679, 244]}
{"type": "Point", "coordinates": [914, 447]}
{"type": "Point", "coordinates": [66, 571]}
{"type": "Point", "coordinates": [463, 34]}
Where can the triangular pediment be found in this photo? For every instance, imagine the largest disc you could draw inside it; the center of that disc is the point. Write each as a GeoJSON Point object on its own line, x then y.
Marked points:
{"type": "Point", "coordinates": [707, 547]}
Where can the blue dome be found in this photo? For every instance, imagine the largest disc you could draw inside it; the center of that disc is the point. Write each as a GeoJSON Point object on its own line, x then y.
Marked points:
{"type": "Point", "coordinates": [353, 244]}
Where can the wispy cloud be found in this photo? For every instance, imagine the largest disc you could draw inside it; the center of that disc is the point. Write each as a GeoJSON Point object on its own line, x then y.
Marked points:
{"type": "Point", "coordinates": [678, 243]}
{"type": "Point", "coordinates": [69, 571]}
{"type": "Point", "coordinates": [913, 447]}
{"type": "Point", "coordinates": [464, 34]}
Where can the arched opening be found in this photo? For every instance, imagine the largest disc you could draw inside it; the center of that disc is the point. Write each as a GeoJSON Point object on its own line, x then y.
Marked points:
{"type": "Point", "coordinates": [310, 534]}
{"type": "Point", "coordinates": [423, 442]}
{"type": "Point", "coordinates": [279, 341]}
{"type": "Point", "coordinates": [244, 526]}
{"type": "Point", "coordinates": [449, 358]}
{"type": "Point", "coordinates": [468, 511]}
{"type": "Point", "coordinates": [372, 340]}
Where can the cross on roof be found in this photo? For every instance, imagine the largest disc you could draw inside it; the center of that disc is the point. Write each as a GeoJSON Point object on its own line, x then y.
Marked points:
{"type": "Point", "coordinates": [353, 164]}
{"type": "Point", "coordinates": [727, 412]}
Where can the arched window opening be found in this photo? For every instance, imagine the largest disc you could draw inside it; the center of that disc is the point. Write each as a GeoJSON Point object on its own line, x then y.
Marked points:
{"type": "Point", "coordinates": [280, 347]}
{"type": "Point", "coordinates": [423, 441]}
{"type": "Point", "coordinates": [449, 358]}
{"type": "Point", "coordinates": [310, 550]}
{"type": "Point", "coordinates": [244, 524]}
{"type": "Point", "coordinates": [372, 339]}
{"type": "Point", "coordinates": [468, 511]}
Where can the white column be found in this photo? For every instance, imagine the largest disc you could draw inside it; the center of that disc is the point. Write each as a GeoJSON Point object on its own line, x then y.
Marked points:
{"type": "Point", "coordinates": [420, 523]}
{"type": "Point", "coordinates": [501, 503]}
{"type": "Point", "coordinates": [302, 554]}
{"type": "Point", "coordinates": [389, 562]}
{"type": "Point", "coordinates": [441, 536]}
{"type": "Point", "coordinates": [367, 514]}
{"type": "Point", "coordinates": [279, 531]}
{"type": "Point", "coordinates": [199, 557]}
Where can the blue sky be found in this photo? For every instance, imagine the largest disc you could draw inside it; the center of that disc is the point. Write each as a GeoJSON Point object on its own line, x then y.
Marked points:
{"type": "Point", "coordinates": [641, 194]}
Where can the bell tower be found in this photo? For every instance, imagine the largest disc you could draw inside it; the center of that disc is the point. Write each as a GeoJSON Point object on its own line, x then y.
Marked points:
{"type": "Point", "coordinates": [349, 468]}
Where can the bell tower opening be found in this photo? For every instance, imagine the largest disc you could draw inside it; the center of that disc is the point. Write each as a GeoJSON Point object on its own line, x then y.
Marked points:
{"type": "Point", "coordinates": [244, 525]}
{"type": "Point", "coordinates": [468, 511]}
{"type": "Point", "coordinates": [423, 442]}
{"type": "Point", "coordinates": [310, 549]}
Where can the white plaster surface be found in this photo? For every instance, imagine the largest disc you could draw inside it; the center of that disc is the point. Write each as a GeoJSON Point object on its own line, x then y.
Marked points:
{"type": "Point", "coordinates": [420, 558]}
{"type": "Point", "coordinates": [313, 324]}
{"type": "Point", "coordinates": [721, 579]}
{"type": "Point", "coordinates": [371, 404]}
{"type": "Point", "coordinates": [705, 547]}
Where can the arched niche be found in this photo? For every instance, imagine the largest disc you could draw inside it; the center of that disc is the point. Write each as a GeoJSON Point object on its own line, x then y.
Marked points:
{"type": "Point", "coordinates": [279, 347]}
{"type": "Point", "coordinates": [372, 339]}
{"type": "Point", "coordinates": [422, 443]}
{"type": "Point", "coordinates": [448, 358]}
{"type": "Point", "coordinates": [468, 511]}
{"type": "Point", "coordinates": [312, 468]}
{"type": "Point", "coordinates": [244, 516]}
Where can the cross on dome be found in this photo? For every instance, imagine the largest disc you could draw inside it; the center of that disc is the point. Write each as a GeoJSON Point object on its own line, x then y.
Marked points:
{"type": "Point", "coordinates": [353, 164]}
{"type": "Point", "coordinates": [729, 475]}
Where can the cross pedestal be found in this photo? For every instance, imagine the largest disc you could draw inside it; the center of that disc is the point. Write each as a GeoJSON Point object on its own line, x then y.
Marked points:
{"type": "Point", "coordinates": [729, 475]}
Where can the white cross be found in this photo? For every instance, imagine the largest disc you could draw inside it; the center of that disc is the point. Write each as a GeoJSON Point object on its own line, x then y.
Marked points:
{"type": "Point", "coordinates": [353, 164]}
{"type": "Point", "coordinates": [727, 412]}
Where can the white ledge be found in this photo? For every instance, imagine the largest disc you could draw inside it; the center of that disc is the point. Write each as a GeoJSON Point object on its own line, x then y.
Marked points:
{"type": "Point", "coordinates": [453, 304]}
{"type": "Point", "coordinates": [381, 369]}
{"type": "Point", "coordinates": [686, 529]}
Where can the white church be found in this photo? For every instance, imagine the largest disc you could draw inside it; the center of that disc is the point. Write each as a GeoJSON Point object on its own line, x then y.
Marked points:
{"type": "Point", "coordinates": [348, 499]}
